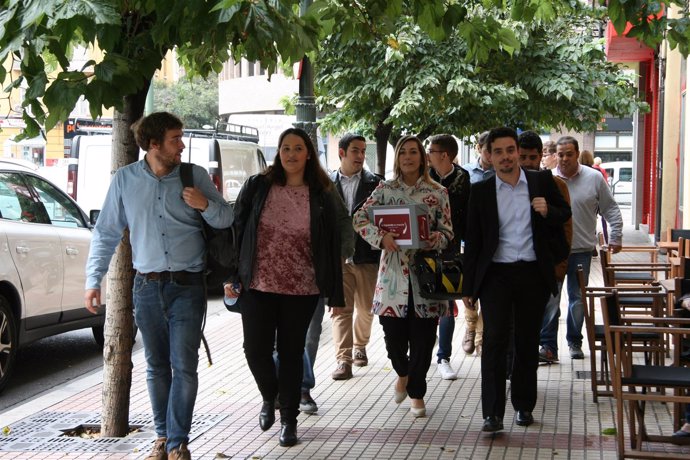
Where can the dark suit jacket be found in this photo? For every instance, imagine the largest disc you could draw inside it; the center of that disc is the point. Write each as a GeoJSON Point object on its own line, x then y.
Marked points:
{"type": "Point", "coordinates": [364, 253]}
{"type": "Point", "coordinates": [482, 229]}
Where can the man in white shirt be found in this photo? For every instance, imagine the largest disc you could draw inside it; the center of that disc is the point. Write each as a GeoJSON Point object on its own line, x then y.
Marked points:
{"type": "Point", "coordinates": [352, 324]}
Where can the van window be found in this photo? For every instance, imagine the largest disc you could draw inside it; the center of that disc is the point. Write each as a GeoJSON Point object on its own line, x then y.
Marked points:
{"type": "Point", "coordinates": [239, 162]}
{"type": "Point", "coordinates": [625, 175]}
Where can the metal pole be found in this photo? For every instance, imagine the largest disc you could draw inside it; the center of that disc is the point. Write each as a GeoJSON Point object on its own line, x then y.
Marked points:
{"type": "Point", "coordinates": [305, 108]}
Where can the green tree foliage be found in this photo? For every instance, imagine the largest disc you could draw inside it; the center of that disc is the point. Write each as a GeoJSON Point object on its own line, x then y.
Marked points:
{"type": "Point", "coordinates": [552, 74]}
{"type": "Point", "coordinates": [194, 100]}
{"type": "Point", "coordinates": [134, 36]}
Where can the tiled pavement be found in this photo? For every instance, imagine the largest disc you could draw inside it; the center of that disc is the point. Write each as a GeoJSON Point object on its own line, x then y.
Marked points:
{"type": "Point", "coordinates": [357, 418]}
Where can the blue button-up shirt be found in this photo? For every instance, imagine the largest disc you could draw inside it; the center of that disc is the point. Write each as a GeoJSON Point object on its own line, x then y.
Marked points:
{"type": "Point", "coordinates": [477, 174]}
{"type": "Point", "coordinates": [514, 222]}
{"type": "Point", "coordinates": [166, 234]}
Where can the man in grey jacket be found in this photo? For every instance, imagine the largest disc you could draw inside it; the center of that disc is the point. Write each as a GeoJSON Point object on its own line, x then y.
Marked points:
{"type": "Point", "coordinates": [588, 193]}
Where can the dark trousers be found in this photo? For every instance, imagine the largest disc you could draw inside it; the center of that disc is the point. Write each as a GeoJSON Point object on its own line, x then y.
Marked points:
{"type": "Point", "coordinates": [418, 335]}
{"type": "Point", "coordinates": [511, 293]}
{"type": "Point", "coordinates": [269, 319]}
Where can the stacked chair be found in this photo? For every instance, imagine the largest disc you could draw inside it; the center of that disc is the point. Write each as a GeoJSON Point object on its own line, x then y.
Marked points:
{"type": "Point", "coordinates": [638, 382]}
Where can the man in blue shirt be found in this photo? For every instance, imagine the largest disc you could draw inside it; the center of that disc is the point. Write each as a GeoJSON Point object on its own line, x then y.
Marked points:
{"type": "Point", "coordinates": [168, 252]}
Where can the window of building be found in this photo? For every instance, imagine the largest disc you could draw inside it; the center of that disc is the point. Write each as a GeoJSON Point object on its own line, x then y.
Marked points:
{"type": "Point", "coordinates": [613, 146]}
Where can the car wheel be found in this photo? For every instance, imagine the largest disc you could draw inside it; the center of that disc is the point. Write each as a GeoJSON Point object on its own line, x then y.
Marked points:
{"type": "Point", "coordinates": [99, 334]}
{"type": "Point", "coordinates": [8, 341]}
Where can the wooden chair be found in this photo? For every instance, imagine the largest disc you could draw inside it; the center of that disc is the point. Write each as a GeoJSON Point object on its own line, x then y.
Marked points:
{"type": "Point", "coordinates": [632, 274]}
{"type": "Point", "coordinates": [651, 250]}
{"type": "Point", "coordinates": [680, 265]}
{"type": "Point", "coordinates": [632, 381]}
{"type": "Point", "coordinates": [615, 271]}
{"type": "Point", "coordinates": [670, 242]}
{"type": "Point", "coordinates": [646, 300]}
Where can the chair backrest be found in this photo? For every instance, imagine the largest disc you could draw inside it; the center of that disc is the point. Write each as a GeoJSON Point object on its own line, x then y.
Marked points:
{"type": "Point", "coordinates": [682, 287]}
{"type": "Point", "coordinates": [606, 274]}
{"type": "Point", "coordinates": [610, 309]}
{"type": "Point", "coordinates": [675, 233]}
{"type": "Point", "coordinates": [684, 268]}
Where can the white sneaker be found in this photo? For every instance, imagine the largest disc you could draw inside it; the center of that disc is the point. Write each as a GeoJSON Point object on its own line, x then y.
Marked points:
{"type": "Point", "coordinates": [446, 371]}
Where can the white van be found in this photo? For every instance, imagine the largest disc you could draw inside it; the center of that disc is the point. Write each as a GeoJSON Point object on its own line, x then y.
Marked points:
{"type": "Point", "coordinates": [88, 170]}
{"type": "Point", "coordinates": [228, 162]}
{"type": "Point", "coordinates": [620, 179]}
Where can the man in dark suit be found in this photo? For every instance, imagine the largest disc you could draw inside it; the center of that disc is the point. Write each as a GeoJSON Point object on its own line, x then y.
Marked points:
{"type": "Point", "coordinates": [352, 324]}
{"type": "Point", "coordinates": [509, 266]}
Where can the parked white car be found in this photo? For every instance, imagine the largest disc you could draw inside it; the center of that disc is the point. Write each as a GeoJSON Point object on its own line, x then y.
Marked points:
{"type": "Point", "coordinates": [44, 244]}
{"type": "Point", "coordinates": [620, 179]}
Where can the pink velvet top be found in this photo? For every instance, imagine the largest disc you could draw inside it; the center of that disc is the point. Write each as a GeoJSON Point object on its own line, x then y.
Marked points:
{"type": "Point", "coordinates": [283, 245]}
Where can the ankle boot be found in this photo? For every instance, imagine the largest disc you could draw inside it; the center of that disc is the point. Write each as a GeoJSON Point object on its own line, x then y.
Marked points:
{"type": "Point", "coordinates": [288, 434]}
{"type": "Point", "coordinates": [267, 416]}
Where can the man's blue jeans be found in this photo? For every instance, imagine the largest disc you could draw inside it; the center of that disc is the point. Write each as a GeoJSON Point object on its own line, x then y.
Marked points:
{"type": "Point", "coordinates": [446, 328]}
{"type": "Point", "coordinates": [576, 312]}
{"type": "Point", "coordinates": [311, 346]}
{"type": "Point", "coordinates": [169, 316]}
{"type": "Point", "coordinates": [549, 326]}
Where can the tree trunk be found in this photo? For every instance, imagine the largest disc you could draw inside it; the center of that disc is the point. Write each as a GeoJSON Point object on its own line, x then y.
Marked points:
{"type": "Point", "coordinates": [383, 131]}
{"type": "Point", "coordinates": [119, 318]}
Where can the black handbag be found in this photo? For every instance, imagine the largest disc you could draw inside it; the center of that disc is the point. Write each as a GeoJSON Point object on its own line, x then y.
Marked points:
{"type": "Point", "coordinates": [439, 274]}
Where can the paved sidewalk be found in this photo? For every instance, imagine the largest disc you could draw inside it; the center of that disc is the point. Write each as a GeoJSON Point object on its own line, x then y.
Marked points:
{"type": "Point", "coordinates": [357, 418]}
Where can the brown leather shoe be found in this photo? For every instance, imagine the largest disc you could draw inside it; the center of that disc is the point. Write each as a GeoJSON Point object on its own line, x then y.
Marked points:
{"type": "Point", "coordinates": [468, 341]}
{"type": "Point", "coordinates": [158, 452]}
{"type": "Point", "coordinates": [342, 372]}
{"type": "Point", "coordinates": [180, 453]}
{"type": "Point", "coordinates": [361, 359]}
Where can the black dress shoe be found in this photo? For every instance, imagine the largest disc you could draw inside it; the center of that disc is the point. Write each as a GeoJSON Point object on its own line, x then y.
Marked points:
{"type": "Point", "coordinates": [524, 418]}
{"type": "Point", "coordinates": [267, 416]}
{"type": "Point", "coordinates": [288, 434]}
{"type": "Point", "coordinates": [492, 423]}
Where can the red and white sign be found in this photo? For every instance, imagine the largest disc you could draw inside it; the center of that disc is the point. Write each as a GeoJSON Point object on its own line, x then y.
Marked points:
{"type": "Point", "coordinates": [409, 222]}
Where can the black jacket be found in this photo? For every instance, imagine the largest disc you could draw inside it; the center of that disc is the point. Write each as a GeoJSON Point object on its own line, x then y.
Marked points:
{"type": "Point", "coordinates": [364, 253]}
{"type": "Point", "coordinates": [481, 239]}
{"type": "Point", "coordinates": [325, 237]}
{"type": "Point", "coordinates": [458, 185]}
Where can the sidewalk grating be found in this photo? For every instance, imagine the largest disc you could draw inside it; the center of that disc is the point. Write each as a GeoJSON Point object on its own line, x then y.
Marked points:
{"type": "Point", "coordinates": [44, 432]}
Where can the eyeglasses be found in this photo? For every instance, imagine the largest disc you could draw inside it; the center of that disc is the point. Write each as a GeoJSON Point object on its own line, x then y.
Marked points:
{"type": "Point", "coordinates": [434, 151]}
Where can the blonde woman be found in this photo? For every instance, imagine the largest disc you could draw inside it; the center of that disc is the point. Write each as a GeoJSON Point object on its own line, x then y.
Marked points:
{"type": "Point", "coordinates": [409, 321]}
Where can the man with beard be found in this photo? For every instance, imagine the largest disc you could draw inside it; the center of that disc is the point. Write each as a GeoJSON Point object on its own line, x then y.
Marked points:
{"type": "Point", "coordinates": [510, 268]}
{"type": "Point", "coordinates": [168, 254]}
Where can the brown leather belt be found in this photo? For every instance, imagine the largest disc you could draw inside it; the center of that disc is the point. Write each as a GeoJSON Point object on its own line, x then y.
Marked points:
{"type": "Point", "coordinates": [182, 277]}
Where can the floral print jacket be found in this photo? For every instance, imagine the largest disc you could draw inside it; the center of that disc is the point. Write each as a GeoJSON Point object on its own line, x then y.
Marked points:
{"type": "Point", "coordinates": [392, 284]}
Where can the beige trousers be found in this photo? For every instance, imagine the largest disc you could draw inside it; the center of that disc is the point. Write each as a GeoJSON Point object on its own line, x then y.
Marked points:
{"type": "Point", "coordinates": [474, 321]}
{"type": "Point", "coordinates": [352, 326]}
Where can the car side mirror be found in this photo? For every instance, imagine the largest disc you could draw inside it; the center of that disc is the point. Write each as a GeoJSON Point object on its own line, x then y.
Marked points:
{"type": "Point", "coordinates": [93, 216]}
